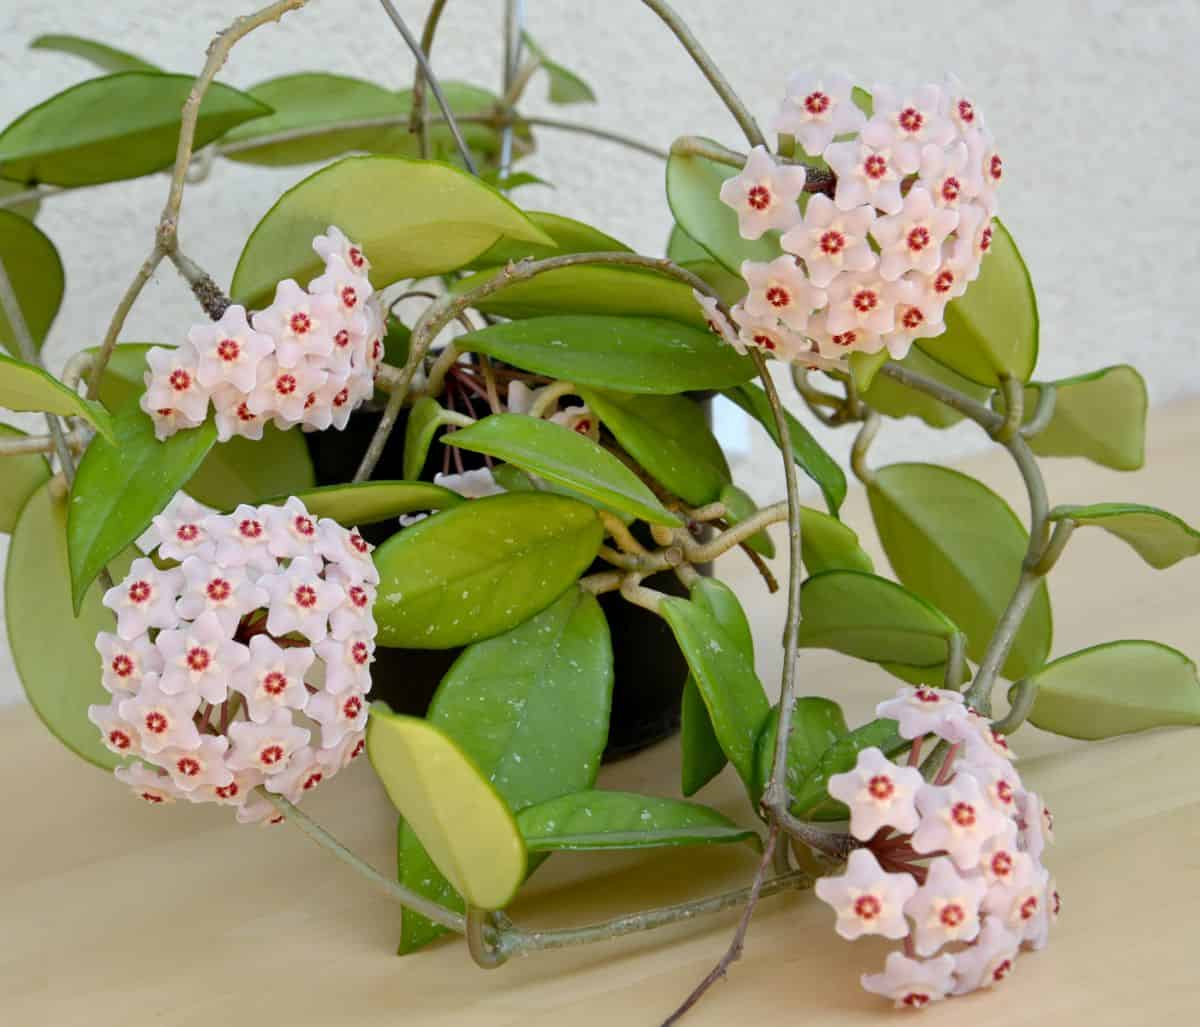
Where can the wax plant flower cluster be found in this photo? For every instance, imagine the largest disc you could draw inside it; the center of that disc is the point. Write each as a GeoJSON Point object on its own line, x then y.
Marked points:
{"type": "Point", "coordinates": [512, 407]}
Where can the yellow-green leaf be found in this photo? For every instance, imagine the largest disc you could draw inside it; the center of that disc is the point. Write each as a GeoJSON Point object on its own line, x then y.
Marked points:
{"type": "Point", "coordinates": [22, 476]}
{"type": "Point", "coordinates": [36, 272]}
{"type": "Point", "coordinates": [24, 387]}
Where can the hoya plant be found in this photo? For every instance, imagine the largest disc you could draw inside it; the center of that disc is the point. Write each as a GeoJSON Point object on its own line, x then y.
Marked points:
{"type": "Point", "coordinates": [432, 478]}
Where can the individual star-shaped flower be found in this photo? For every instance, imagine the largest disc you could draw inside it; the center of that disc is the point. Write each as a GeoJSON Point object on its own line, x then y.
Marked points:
{"type": "Point", "coordinates": [273, 679]}
{"type": "Point", "coordinates": [830, 240]}
{"type": "Point", "coordinates": [228, 593]}
{"type": "Point", "coordinates": [282, 392]}
{"type": "Point", "coordinates": [349, 554]}
{"type": "Point", "coordinates": [242, 540]}
{"type": "Point", "coordinates": [912, 983]}
{"type": "Point", "coordinates": [972, 239]}
{"type": "Point", "coordinates": [127, 663]}
{"type": "Point", "coordinates": [1000, 860]}
{"type": "Point", "coordinates": [906, 122]}
{"type": "Point", "coordinates": [1037, 825]}
{"type": "Point", "coordinates": [863, 303]}
{"type": "Point", "coordinates": [879, 794]}
{"type": "Point", "coordinates": [780, 289]}
{"type": "Point", "coordinates": [1023, 904]}
{"type": "Point", "coordinates": [302, 775]}
{"type": "Point", "coordinates": [178, 531]}
{"type": "Point", "coordinates": [144, 599]}
{"type": "Point", "coordinates": [267, 748]}
{"type": "Point", "coordinates": [945, 908]}
{"type": "Point", "coordinates": [199, 659]}
{"type": "Point", "coordinates": [866, 175]}
{"type": "Point", "coordinates": [764, 195]}
{"type": "Point", "coordinates": [349, 288]}
{"type": "Point", "coordinates": [201, 766]}
{"type": "Point", "coordinates": [918, 316]}
{"type": "Point", "coordinates": [335, 244]}
{"type": "Point", "coordinates": [817, 108]}
{"type": "Point", "coordinates": [172, 383]}
{"type": "Point", "coordinates": [118, 734]}
{"type": "Point", "coordinates": [151, 786]}
{"type": "Point", "coordinates": [768, 335]}
{"type": "Point", "coordinates": [341, 755]}
{"type": "Point", "coordinates": [1000, 782]}
{"type": "Point", "coordinates": [291, 530]}
{"type": "Point", "coordinates": [867, 899]}
{"type": "Point", "coordinates": [338, 715]}
{"type": "Point", "coordinates": [956, 818]}
{"type": "Point", "coordinates": [960, 107]}
{"type": "Point", "coordinates": [301, 600]}
{"type": "Point", "coordinates": [944, 174]}
{"type": "Point", "coordinates": [302, 324]}
{"type": "Point", "coordinates": [354, 616]}
{"type": "Point", "coordinates": [347, 662]}
{"type": "Point", "coordinates": [837, 345]}
{"type": "Point", "coordinates": [233, 792]}
{"type": "Point", "coordinates": [912, 238]}
{"type": "Point", "coordinates": [162, 721]}
{"type": "Point", "coordinates": [988, 961]}
{"type": "Point", "coordinates": [229, 350]}
{"type": "Point", "coordinates": [922, 710]}
{"type": "Point", "coordinates": [233, 417]}
{"type": "Point", "coordinates": [331, 404]}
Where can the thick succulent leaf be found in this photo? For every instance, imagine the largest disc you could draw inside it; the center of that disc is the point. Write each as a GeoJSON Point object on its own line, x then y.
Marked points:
{"type": "Point", "coordinates": [826, 544]}
{"type": "Point", "coordinates": [105, 57]}
{"type": "Point", "coordinates": [810, 457]}
{"type": "Point", "coordinates": [956, 543]}
{"type": "Point", "coordinates": [413, 218]}
{"type": "Point", "coordinates": [568, 235]}
{"type": "Point", "coordinates": [559, 454]}
{"type": "Point", "coordinates": [1099, 416]}
{"type": "Point", "coordinates": [992, 329]}
{"type": "Point", "coordinates": [596, 821]}
{"type": "Point", "coordinates": [369, 502]}
{"type": "Point", "coordinates": [54, 651]}
{"type": "Point", "coordinates": [24, 388]}
{"type": "Point", "coordinates": [1116, 688]}
{"type": "Point", "coordinates": [811, 800]}
{"type": "Point", "coordinates": [120, 126]}
{"type": "Point", "coordinates": [565, 85]}
{"type": "Point", "coordinates": [461, 821]}
{"type": "Point", "coordinates": [120, 486]}
{"type": "Point", "coordinates": [630, 354]}
{"type": "Point", "coordinates": [669, 437]}
{"type": "Point", "coordinates": [23, 475]}
{"type": "Point", "coordinates": [36, 273]}
{"type": "Point", "coordinates": [894, 399]}
{"type": "Point", "coordinates": [817, 723]}
{"type": "Point", "coordinates": [1160, 538]}
{"type": "Point", "coordinates": [530, 708]}
{"type": "Point", "coordinates": [481, 568]}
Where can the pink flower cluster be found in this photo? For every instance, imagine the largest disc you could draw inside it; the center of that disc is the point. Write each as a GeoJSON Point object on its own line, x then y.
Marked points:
{"type": "Point", "coordinates": [904, 234]}
{"type": "Point", "coordinates": [241, 657]}
{"type": "Point", "coordinates": [310, 358]}
{"type": "Point", "coordinates": [952, 867]}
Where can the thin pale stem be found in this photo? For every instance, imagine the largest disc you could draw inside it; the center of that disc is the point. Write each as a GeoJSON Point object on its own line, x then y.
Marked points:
{"type": "Point", "coordinates": [862, 444]}
{"type": "Point", "coordinates": [1043, 413]}
{"type": "Point", "coordinates": [986, 418]}
{"type": "Point", "coordinates": [708, 551]}
{"type": "Point", "coordinates": [547, 397]}
{"type": "Point", "coordinates": [149, 266]}
{"type": "Point", "coordinates": [1014, 409]}
{"type": "Point", "coordinates": [955, 649]}
{"type": "Point", "coordinates": [596, 133]}
{"type": "Point", "coordinates": [434, 86]}
{"type": "Point", "coordinates": [1022, 696]}
{"type": "Point", "coordinates": [38, 192]}
{"type": "Point", "coordinates": [633, 590]}
{"type": "Point", "coordinates": [418, 122]}
{"type": "Point", "coordinates": [20, 445]}
{"type": "Point", "coordinates": [1063, 529]}
{"type": "Point", "coordinates": [514, 22]}
{"type": "Point", "coordinates": [710, 71]}
{"type": "Point", "coordinates": [441, 367]}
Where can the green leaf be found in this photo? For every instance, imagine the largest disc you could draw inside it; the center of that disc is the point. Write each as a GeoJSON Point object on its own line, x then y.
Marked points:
{"type": "Point", "coordinates": [54, 652]}
{"type": "Point", "coordinates": [565, 85]}
{"type": "Point", "coordinates": [808, 454]}
{"type": "Point", "coordinates": [514, 180]}
{"type": "Point", "coordinates": [369, 502]}
{"type": "Point", "coordinates": [739, 506]}
{"type": "Point", "coordinates": [955, 542]}
{"type": "Point", "coordinates": [812, 800]}
{"type": "Point", "coordinates": [893, 399]}
{"type": "Point", "coordinates": [27, 209]}
{"type": "Point", "coordinates": [669, 436]}
{"type": "Point", "coordinates": [36, 273]}
{"type": "Point", "coordinates": [992, 329]}
{"type": "Point", "coordinates": [871, 618]}
{"type": "Point", "coordinates": [460, 820]}
{"type": "Point", "coordinates": [424, 420]}
{"type": "Point", "coordinates": [596, 821]}
{"type": "Point", "coordinates": [817, 723]}
{"type": "Point", "coordinates": [530, 708]}
{"type": "Point", "coordinates": [23, 475]}
{"type": "Point", "coordinates": [558, 454]}
{"type": "Point", "coordinates": [1099, 416]}
{"type": "Point", "coordinates": [682, 248]}
{"type": "Point", "coordinates": [693, 191]}
{"type": "Point", "coordinates": [238, 471]}
{"type": "Point", "coordinates": [481, 568]}
{"type": "Point", "coordinates": [736, 701]}
{"type": "Point", "coordinates": [1114, 689]}
{"type": "Point", "coordinates": [1160, 538]}
{"type": "Point", "coordinates": [106, 57]}
{"type": "Point", "coordinates": [729, 288]}
{"type": "Point", "coordinates": [120, 486]}
{"type": "Point", "coordinates": [413, 218]}
{"type": "Point", "coordinates": [567, 234]}
{"type": "Point", "coordinates": [865, 366]}
{"type": "Point", "coordinates": [589, 289]}
{"type": "Point", "coordinates": [631, 354]}
{"type": "Point", "coordinates": [827, 544]}
{"type": "Point", "coordinates": [116, 127]}
{"type": "Point", "coordinates": [24, 387]}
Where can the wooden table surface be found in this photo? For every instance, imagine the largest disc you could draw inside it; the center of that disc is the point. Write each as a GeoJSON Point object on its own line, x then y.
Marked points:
{"type": "Point", "coordinates": [112, 912]}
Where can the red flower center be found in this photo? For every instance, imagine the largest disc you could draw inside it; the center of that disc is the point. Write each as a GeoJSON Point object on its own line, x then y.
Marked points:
{"type": "Point", "coordinates": [229, 791]}
{"type": "Point", "coordinates": [274, 683]}
{"type": "Point", "coordinates": [915, 999]}
{"type": "Point", "coordinates": [312, 780]}
{"type": "Point", "coordinates": [341, 398]}
{"type": "Point", "coordinates": [285, 384]}
{"type": "Point", "coordinates": [342, 339]}
{"type": "Point", "coordinates": [910, 119]}
{"type": "Point", "coordinates": [927, 696]}
{"type": "Point", "coordinates": [271, 754]}
{"type": "Point", "coordinates": [996, 167]}
{"type": "Point", "coordinates": [912, 318]}
{"type": "Point", "coordinates": [881, 787]}
{"type": "Point", "coordinates": [122, 665]}
{"type": "Point", "coordinates": [966, 111]}
{"type": "Point", "coordinates": [867, 907]}
{"type": "Point", "coordinates": [152, 797]}
{"type": "Point", "coordinates": [359, 747]}
{"type": "Point", "coordinates": [118, 739]}
{"type": "Point", "coordinates": [218, 590]}
{"type": "Point", "coordinates": [359, 653]}
{"type": "Point", "coordinates": [358, 595]}
{"type": "Point", "coordinates": [1002, 970]}
{"type": "Point", "coordinates": [1004, 792]}
{"type": "Point", "coordinates": [187, 766]}
{"type": "Point", "coordinates": [250, 529]}
{"type": "Point", "coordinates": [140, 592]}
{"type": "Point", "coordinates": [1002, 864]}
{"type": "Point", "coordinates": [180, 380]}
{"type": "Point", "coordinates": [918, 238]}
{"type": "Point", "coordinates": [156, 722]}
{"type": "Point", "coordinates": [229, 350]}
{"type": "Point", "coordinates": [759, 197]}
{"type": "Point", "coordinates": [832, 242]}
{"type": "Point", "coordinates": [356, 256]}
{"type": "Point", "coordinates": [764, 340]}
{"type": "Point", "coordinates": [816, 103]}
{"type": "Point", "coordinates": [198, 659]}
{"type": "Point", "coordinates": [302, 525]}
{"type": "Point", "coordinates": [352, 707]}
{"type": "Point", "coordinates": [845, 339]}
{"type": "Point", "coordinates": [300, 323]}
{"type": "Point", "coordinates": [305, 596]}
{"type": "Point", "coordinates": [1029, 907]}
{"type": "Point", "coordinates": [952, 914]}
{"type": "Point", "coordinates": [985, 240]}
{"type": "Point", "coordinates": [865, 300]}
{"type": "Point", "coordinates": [187, 533]}
{"type": "Point", "coordinates": [244, 413]}
{"type": "Point", "coordinates": [778, 296]}
{"type": "Point", "coordinates": [349, 297]}
{"type": "Point", "coordinates": [951, 188]}
{"type": "Point", "coordinates": [963, 814]}
{"type": "Point", "coordinates": [357, 543]}
{"type": "Point", "coordinates": [944, 282]}
{"type": "Point", "coordinates": [875, 166]}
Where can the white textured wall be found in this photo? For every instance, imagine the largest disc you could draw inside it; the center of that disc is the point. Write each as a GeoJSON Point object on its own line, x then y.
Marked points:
{"type": "Point", "coordinates": [1095, 103]}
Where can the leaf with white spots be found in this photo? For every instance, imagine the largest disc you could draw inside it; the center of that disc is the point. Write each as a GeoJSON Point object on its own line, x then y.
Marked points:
{"type": "Point", "coordinates": [530, 708]}
{"type": "Point", "coordinates": [596, 821]}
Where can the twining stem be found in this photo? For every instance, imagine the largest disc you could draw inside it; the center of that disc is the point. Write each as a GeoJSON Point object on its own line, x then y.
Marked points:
{"type": "Point", "coordinates": [711, 72]}
{"type": "Point", "coordinates": [862, 443]}
{"type": "Point", "coordinates": [514, 20]}
{"type": "Point", "coordinates": [1043, 412]}
{"type": "Point", "coordinates": [166, 238]}
{"type": "Point", "coordinates": [417, 121]}
{"type": "Point", "coordinates": [23, 444]}
{"type": "Point", "coordinates": [435, 87]}
{"type": "Point", "coordinates": [956, 646]}
{"type": "Point", "coordinates": [11, 306]}
{"type": "Point", "coordinates": [1023, 693]}
{"type": "Point", "coordinates": [985, 417]}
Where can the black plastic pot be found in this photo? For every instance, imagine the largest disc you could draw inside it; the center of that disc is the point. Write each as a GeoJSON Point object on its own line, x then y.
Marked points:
{"type": "Point", "coordinates": [649, 669]}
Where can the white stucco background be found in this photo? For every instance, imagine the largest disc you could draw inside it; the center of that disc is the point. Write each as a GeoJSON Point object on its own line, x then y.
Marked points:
{"type": "Point", "coordinates": [1095, 104]}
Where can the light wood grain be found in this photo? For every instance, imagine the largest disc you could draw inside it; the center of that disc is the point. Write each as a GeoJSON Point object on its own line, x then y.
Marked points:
{"type": "Point", "coordinates": [113, 913]}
